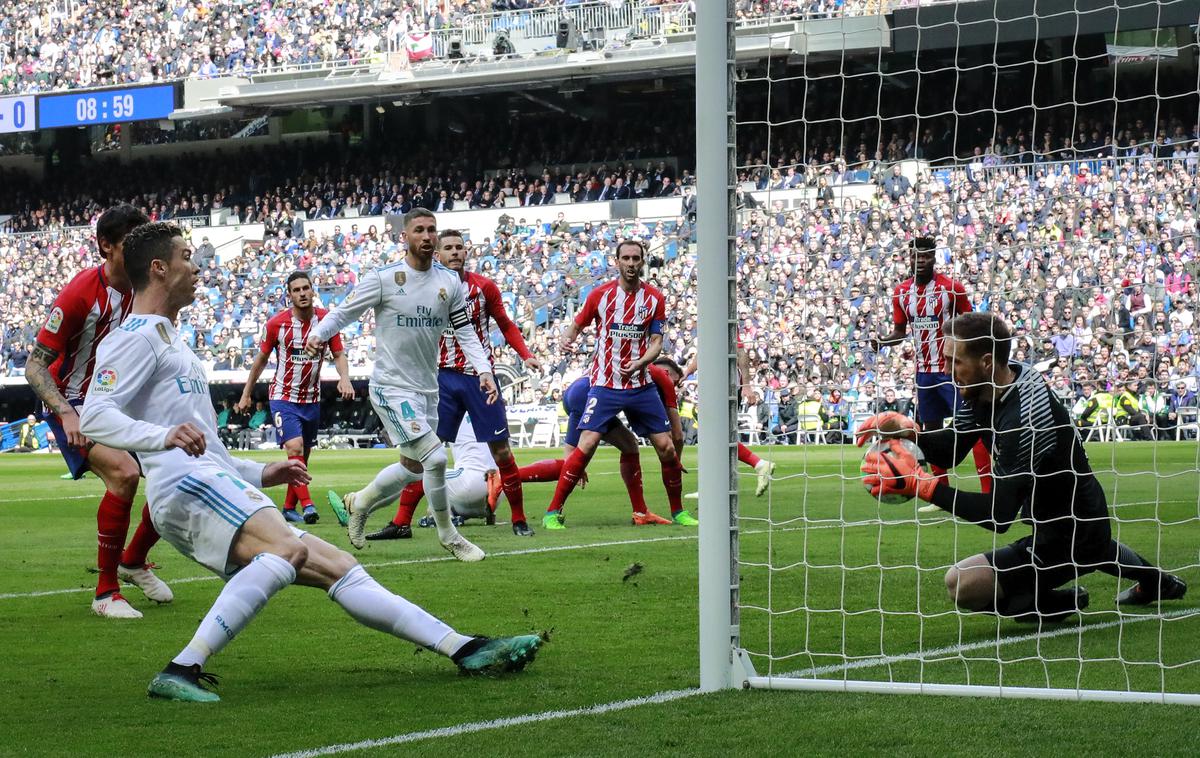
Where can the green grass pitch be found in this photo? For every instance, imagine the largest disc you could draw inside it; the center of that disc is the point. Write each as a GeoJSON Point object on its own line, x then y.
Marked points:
{"type": "Point", "coordinates": [304, 676]}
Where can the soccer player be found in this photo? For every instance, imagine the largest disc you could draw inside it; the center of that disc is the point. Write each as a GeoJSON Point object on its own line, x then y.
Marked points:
{"type": "Point", "coordinates": [468, 486]}
{"type": "Point", "coordinates": [295, 392]}
{"type": "Point", "coordinates": [458, 388]}
{"type": "Point", "coordinates": [928, 300]}
{"type": "Point", "coordinates": [617, 435]}
{"type": "Point", "coordinates": [150, 395]}
{"type": "Point", "coordinates": [414, 301]}
{"type": "Point", "coordinates": [1042, 477]}
{"type": "Point", "coordinates": [59, 370]}
{"type": "Point", "coordinates": [763, 469]}
{"type": "Point", "coordinates": [629, 316]}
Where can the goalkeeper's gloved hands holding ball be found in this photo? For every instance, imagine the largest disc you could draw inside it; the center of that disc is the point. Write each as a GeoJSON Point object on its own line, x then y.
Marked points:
{"type": "Point", "coordinates": [892, 473]}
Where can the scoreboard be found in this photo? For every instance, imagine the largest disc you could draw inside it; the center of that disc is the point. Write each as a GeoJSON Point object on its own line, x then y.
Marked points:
{"type": "Point", "coordinates": [108, 106]}
{"type": "Point", "coordinates": [17, 114]}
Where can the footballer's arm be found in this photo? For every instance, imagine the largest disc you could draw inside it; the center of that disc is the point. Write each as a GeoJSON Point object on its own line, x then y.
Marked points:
{"type": "Point", "coordinates": [256, 369]}
{"type": "Point", "coordinates": [37, 375]}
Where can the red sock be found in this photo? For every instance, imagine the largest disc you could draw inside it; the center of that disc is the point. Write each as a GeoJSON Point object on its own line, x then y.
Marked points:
{"type": "Point", "coordinates": [940, 473]}
{"type": "Point", "coordinates": [510, 475]}
{"type": "Point", "coordinates": [409, 497]}
{"type": "Point", "coordinates": [303, 499]}
{"type": "Point", "coordinates": [672, 476]}
{"type": "Point", "coordinates": [631, 472]}
{"type": "Point", "coordinates": [542, 471]}
{"type": "Point", "coordinates": [112, 525]}
{"type": "Point", "coordinates": [289, 502]}
{"type": "Point", "coordinates": [143, 539]}
{"type": "Point", "coordinates": [747, 456]}
{"type": "Point", "coordinates": [983, 465]}
{"type": "Point", "coordinates": [572, 469]}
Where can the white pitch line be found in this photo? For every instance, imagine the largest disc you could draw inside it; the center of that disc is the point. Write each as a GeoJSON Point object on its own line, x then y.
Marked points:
{"type": "Point", "coordinates": [481, 726]}
{"type": "Point", "coordinates": [405, 562]}
{"type": "Point", "coordinates": [966, 647]}
{"type": "Point", "coordinates": [672, 695]}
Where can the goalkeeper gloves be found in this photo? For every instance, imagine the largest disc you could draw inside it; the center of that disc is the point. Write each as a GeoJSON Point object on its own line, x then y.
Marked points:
{"type": "Point", "coordinates": [894, 471]}
{"type": "Point", "coordinates": [886, 424]}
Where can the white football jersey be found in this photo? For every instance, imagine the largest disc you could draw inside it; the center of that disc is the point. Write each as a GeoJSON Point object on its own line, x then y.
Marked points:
{"type": "Point", "coordinates": [412, 310]}
{"type": "Point", "coordinates": [470, 454]}
{"type": "Point", "coordinates": [148, 381]}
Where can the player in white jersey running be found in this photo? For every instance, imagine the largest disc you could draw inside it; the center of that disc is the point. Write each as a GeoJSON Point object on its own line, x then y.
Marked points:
{"type": "Point", "coordinates": [150, 395]}
{"type": "Point", "coordinates": [414, 301]}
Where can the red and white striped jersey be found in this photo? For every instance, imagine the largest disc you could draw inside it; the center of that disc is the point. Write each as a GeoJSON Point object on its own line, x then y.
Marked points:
{"type": "Point", "coordinates": [297, 375]}
{"type": "Point", "coordinates": [927, 308]}
{"type": "Point", "coordinates": [625, 321]}
{"type": "Point", "coordinates": [86, 310]}
{"type": "Point", "coordinates": [484, 304]}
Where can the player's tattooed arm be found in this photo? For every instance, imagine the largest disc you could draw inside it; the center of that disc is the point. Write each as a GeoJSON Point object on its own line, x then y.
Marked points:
{"type": "Point", "coordinates": [37, 375]}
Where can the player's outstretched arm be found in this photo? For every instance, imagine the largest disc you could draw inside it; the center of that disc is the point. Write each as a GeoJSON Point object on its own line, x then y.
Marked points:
{"type": "Point", "coordinates": [367, 294]}
{"type": "Point", "coordinates": [125, 363]}
{"type": "Point", "coordinates": [256, 368]}
{"type": "Point", "coordinates": [512, 333]}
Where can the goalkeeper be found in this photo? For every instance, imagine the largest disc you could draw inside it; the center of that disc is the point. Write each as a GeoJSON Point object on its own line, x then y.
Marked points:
{"type": "Point", "coordinates": [1042, 477]}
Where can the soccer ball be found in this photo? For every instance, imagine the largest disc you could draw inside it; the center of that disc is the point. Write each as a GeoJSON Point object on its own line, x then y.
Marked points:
{"type": "Point", "coordinates": [882, 446]}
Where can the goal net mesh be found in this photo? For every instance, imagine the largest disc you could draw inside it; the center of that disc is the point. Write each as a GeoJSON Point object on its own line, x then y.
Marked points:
{"type": "Point", "coordinates": [1056, 174]}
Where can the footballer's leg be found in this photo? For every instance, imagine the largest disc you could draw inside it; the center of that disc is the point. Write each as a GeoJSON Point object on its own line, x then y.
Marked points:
{"type": "Point", "coordinates": [672, 477]}
{"type": "Point", "coordinates": [763, 469]}
{"type": "Point", "coordinates": [1006, 582]}
{"type": "Point", "coordinates": [510, 479]}
{"type": "Point", "coordinates": [619, 436]}
{"type": "Point", "coordinates": [572, 470]}
{"type": "Point", "coordinates": [232, 528]}
{"type": "Point", "coordinates": [400, 527]}
{"type": "Point", "coordinates": [372, 605]}
{"type": "Point", "coordinates": [119, 472]}
{"type": "Point", "coordinates": [1152, 583]}
{"type": "Point", "coordinates": [433, 461]}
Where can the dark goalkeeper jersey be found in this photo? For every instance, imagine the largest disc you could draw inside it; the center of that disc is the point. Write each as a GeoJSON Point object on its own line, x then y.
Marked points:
{"type": "Point", "coordinates": [1040, 470]}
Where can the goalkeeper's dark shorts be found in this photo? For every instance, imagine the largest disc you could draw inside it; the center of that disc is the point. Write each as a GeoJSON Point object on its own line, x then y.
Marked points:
{"type": "Point", "coordinates": [1021, 568]}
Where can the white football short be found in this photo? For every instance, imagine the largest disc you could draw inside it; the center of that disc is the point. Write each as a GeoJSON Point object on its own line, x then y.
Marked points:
{"type": "Point", "coordinates": [409, 417]}
{"type": "Point", "coordinates": [203, 512]}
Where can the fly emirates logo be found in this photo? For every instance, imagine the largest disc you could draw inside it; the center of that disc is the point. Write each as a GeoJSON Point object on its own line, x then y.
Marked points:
{"type": "Point", "coordinates": [424, 319]}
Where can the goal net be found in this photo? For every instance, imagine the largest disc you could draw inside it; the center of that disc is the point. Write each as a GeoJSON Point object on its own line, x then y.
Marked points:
{"type": "Point", "coordinates": [1051, 162]}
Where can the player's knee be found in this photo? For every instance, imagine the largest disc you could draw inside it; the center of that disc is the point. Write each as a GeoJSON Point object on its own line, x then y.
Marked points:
{"type": "Point", "coordinates": [123, 481]}
{"type": "Point", "coordinates": [953, 580]}
{"type": "Point", "coordinates": [435, 458]}
{"type": "Point", "coordinates": [340, 563]}
{"type": "Point", "coordinates": [502, 453]}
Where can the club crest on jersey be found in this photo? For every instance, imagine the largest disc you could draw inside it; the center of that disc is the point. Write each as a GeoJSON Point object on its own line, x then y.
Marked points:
{"type": "Point", "coordinates": [400, 278]}
{"type": "Point", "coordinates": [253, 496]}
{"type": "Point", "coordinates": [442, 296]}
{"type": "Point", "coordinates": [643, 312]}
{"type": "Point", "coordinates": [162, 332]}
{"type": "Point", "coordinates": [416, 427]}
{"type": "Point", "coordinates": [55, 320]}
{"type": "Point", "coordinates": [106, 380]}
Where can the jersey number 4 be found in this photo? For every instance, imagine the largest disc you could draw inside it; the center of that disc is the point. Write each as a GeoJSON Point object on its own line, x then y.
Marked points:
{"type": "Point", "coordinates": [406, 411]}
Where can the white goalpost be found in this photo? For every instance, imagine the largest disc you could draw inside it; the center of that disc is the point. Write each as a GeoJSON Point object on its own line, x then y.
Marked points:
{"type": "Point", "coordinates": [1052, 152]}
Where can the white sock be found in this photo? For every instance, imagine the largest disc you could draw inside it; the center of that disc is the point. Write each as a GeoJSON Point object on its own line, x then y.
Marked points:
{"type": "Point", "coordinates": [243, 597]}
{"type": "Point", "coordinates": [435, 492]}
{"type": "Point", "coordinates": [385, 487]}
{"type": "Point", "coordinates": [371, 604]}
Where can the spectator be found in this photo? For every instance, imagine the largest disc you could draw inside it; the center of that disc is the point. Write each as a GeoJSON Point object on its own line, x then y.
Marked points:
{"type": "Point", "coordinates": [784, 431]}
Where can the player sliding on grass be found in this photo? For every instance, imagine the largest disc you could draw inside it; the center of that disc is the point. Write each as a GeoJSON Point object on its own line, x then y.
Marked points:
{"type": "Point", "coordinates": [295, 392]}
{"type": "Point", "coordinates": [665, 374]}
{"type": "Point", "coordinates": [414, 302]}
{"type": "Point", "coordinates": [1042, 477]}
{"type": "Point", "coordinates": [629, 316]}
{"type": "Point", "coordinates": [209, 505]}
{"type": "Point", "coordinates": [468, 487]}
{"type": "Point", "coordinates": [59, 371]}
{"type": "Point", "coordinates": [927, 300]}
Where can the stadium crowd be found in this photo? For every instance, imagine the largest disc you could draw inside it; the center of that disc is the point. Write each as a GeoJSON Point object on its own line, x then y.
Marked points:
{"type": "Point", "coordinates": [1089, 251]}
{"type": "Point", "coordinates": [64, 44]}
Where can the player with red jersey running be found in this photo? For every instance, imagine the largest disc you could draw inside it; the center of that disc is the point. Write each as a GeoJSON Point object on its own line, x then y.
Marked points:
{"type": "Point", "coordinates": [295, 393]}
{"type": "Point", "coordinates": [459, 395]}
{"type": "Point", "coordinates": [59, 370]}
{"type": "Point", "coordinates": [629, 316]}
{"type": "Point", "coordinates": [928, 300]}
